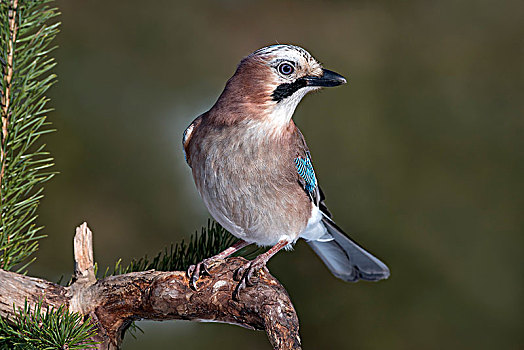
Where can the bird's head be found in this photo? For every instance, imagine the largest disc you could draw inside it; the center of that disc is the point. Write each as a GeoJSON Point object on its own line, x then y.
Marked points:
{"type": "Point", "coordinates": [269, 83]}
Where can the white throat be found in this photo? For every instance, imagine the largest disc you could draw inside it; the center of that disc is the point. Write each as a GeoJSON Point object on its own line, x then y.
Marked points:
{"type": "Point", "coordinates": [283, 110]}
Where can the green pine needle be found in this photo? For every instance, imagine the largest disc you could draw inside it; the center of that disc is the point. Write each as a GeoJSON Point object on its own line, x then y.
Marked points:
{"type": "Point", "coordinates": [27, 31]}
{"type": "Point", "coordinates": [40, 329]}
{"type": "Point", "coordinates": [212, 240]}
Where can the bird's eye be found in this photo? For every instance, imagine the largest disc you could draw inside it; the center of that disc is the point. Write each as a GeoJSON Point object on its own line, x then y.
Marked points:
{"type": "Point", "coordinates": [286, 69]}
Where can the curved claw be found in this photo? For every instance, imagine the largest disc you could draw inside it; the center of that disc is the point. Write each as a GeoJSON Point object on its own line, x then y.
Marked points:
{"type": "Point", "coordinates": [247, 276]}
{"type": "Point", "coordinates": [251, 275]}
{"type": "Point", "coordinates": [237, 276]}
{"type": "Point", "coordinates": [193, 274]}
{"type": "Point", "coordinates": [240, 286]}
{"type": "Point", "coordinates": [189, 271]}
{"type": "Point", "coordinates": [195, 271]}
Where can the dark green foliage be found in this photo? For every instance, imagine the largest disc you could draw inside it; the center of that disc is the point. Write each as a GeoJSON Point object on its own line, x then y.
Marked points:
{"type": "Point", "coordinates": [24, 165]}
{"type": "Point", "coordinates": [46, 329]}
{"type": "Point", "coordinates": [26, 35]}
{"type": "Point", "coordinates": [212, 240]}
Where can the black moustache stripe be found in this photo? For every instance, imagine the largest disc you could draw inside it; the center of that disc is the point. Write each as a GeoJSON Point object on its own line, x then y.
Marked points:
{"type": "Point", "coordinates": [287, 89]}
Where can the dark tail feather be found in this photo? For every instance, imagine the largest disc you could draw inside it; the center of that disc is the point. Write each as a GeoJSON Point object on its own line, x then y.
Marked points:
{"type": "Point", "coordinates": [346, 259]}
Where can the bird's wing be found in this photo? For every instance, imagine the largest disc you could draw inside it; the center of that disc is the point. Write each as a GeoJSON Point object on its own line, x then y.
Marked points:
{"type": "Point", "coordinates": [321, 205]}
{"type": "Point", "coordinates": [345, 258]}
{"type": "Point", "coordinates": [307, 178]}
{"type": "Point", "coordinates": [306, 175]}
{"type": "Point", "coordinates": [308, 181]}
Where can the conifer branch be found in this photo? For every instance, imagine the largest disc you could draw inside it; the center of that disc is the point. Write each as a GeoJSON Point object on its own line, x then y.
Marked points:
{"type": "Point", "coordinates": [49, 328]}
{"type": "Point", "coordinates": [114, 302]}
{"type": "Point", "coordinates": [26, 35]}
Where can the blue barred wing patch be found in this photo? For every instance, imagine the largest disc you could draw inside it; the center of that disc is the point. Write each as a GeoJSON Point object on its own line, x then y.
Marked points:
{"type": "Point", "coordinates": [306, 172]}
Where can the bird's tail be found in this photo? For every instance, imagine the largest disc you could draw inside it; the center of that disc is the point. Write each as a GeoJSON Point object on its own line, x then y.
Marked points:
{"type": "Point", "coordinates": [345, 258]}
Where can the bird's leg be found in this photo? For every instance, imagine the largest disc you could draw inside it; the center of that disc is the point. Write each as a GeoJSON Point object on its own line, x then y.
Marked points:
{"type": "Point", "coordinates": [202, 268]}
{"type": "Point", "coordinates": [247, 274]}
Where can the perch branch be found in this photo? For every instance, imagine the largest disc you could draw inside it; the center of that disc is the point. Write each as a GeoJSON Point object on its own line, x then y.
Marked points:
{"type": "Point", "coordinates": [114, 302]}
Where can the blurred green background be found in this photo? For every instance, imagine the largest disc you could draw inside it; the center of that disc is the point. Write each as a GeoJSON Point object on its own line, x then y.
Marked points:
{"type": "Point", "coordinates": [421, 156]}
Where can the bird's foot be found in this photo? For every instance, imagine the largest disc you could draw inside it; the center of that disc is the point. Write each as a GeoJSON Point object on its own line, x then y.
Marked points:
{"type": "Point", "coordinates": [247, 275]}
{"type": "Point", "coordinates": [201, 269]}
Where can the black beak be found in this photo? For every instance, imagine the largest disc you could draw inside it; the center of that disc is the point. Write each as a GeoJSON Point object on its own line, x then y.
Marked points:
{"type": "Point", "coordinates": [328, 79]}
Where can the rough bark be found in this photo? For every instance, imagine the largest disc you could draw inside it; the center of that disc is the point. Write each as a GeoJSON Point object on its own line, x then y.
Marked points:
{"type": "Point", "coordinates": [114, 302]}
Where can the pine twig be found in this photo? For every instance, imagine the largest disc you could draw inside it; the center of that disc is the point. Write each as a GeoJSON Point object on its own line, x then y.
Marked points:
{"type": "Point", "coordinates": [8, 78]}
